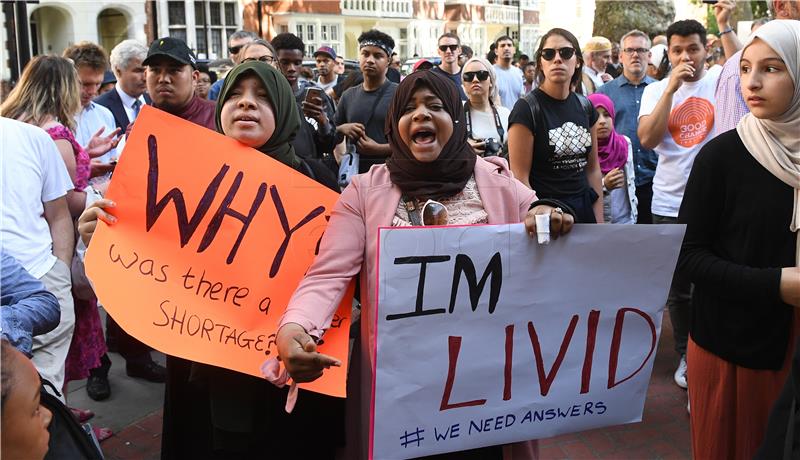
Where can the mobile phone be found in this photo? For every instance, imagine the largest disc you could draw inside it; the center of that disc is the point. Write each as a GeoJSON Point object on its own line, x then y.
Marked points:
{"type": "Point", "coordinates": [710, 2]}
{"type": "Point", "coordinates": [312, 93]}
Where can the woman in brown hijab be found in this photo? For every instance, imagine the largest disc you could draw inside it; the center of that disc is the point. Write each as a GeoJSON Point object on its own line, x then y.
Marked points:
{"type": "Point", "coordinates": [430, 160]}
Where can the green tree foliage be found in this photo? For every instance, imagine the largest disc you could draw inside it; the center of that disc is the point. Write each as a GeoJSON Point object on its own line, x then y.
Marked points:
{"type": "Point", "coordinates": [612, 19]}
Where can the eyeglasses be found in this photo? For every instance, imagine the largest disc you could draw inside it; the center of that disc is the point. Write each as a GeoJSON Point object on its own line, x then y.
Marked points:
{"type": "Point", "coordinates": [444, 48]}
{"type": "Point", "coordinates": [434, 213]}
{"type": "Point", "coordinates": [548, 54]}
{"type": "Point", "coordinates": [235, 49]}
{"type": "Point", "coordinates": [267, 59]}
{"type": "Point", "coordinates": [482, 75]}
{"type": "Point", "coordinates": [632, 51]}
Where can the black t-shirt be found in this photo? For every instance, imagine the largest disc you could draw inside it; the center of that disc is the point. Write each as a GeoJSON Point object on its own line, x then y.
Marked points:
{"type": "Point", "coordinates": [562, 143]}
{"type": "Point", "coordinates": [455, 78]}
{"type": "Point", "coordinates": [737, 239]}
{"type": "Point", "coordinates": [356, 106]}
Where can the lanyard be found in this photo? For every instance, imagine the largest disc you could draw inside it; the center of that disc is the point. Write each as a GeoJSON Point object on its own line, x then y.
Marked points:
{"type": "Point", "coordinates": [497, 122]}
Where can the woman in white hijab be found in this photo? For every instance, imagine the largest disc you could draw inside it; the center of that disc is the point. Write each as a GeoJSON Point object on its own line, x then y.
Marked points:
{"type": "Point", "coordinates": [742, 210]}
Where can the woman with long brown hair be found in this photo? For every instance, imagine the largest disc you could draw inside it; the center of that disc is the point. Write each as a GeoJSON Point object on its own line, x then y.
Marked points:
{"type": "Point", "coordinates": [551, 139]}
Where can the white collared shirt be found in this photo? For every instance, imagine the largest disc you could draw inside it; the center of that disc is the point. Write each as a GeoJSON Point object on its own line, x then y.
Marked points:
{"type": "Point", "coordinates": [594, 75]}
{"type": "Point", "coordinates": [89, 121]}
{"type": "Point", "coordinates": [127, 102]}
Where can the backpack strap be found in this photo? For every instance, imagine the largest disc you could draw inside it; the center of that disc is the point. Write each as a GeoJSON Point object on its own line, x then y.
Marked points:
{"type": "Point", "coordinates": [536, 111]}
{"type": "Point", "coordinates": [587, 105]}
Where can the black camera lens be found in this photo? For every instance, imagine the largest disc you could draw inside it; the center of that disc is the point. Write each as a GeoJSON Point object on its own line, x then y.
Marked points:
{"type": "Point", "coordinates": [491, 147]}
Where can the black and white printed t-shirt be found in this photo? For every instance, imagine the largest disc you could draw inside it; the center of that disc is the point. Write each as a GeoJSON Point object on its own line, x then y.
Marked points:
{"type": "Point", "coordinates": [562, 143]}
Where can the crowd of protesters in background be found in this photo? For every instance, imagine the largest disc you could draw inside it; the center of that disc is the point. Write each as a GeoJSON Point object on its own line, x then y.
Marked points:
{"type": "Point", "coordinates": [592, 133]}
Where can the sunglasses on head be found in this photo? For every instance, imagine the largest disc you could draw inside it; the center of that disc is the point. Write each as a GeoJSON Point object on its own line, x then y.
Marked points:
{"type": "Point", "coordinates": [444, 48]}
{"type": "Point", "coordinates": [235, 49]}
{"type": "Point", "coordinates": [482, 75]}
{"type": "Point", "coordinates": [548, 54]}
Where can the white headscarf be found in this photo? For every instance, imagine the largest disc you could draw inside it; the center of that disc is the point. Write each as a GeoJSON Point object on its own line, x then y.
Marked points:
{"type": "Point", "coordinates": [775, 143]}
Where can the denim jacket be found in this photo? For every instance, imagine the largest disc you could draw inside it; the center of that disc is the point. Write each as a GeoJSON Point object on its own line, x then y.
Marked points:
{"type": "Point", "coordinates": [28, 309]}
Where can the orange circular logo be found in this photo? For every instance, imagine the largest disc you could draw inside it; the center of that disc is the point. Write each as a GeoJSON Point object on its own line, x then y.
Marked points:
{"type": "Point", "coordinates": [691, 122]}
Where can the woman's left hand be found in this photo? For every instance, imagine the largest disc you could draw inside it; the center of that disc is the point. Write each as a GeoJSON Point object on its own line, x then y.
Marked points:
{"type": "Point", "coordinates": [560, 222]}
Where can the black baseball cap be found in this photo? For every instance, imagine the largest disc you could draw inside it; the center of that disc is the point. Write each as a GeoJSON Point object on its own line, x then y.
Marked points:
{"type": "Point", "coordinates": [173, 48]}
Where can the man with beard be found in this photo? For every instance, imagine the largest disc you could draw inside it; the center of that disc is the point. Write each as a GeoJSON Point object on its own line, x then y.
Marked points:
{"type": "Point", "coordinates": [676, 120]}
{"type": "Point", "coordinates": [509, 77]}
{"type": "Point", "coordinates": [362, 109]}
{"type": "Point", "coordinates": [597, 53]}
{"type": "Point", "coordinates": [626, 92]}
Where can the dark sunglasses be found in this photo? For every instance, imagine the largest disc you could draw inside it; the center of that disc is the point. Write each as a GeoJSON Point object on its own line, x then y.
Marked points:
{"type": "Point", "coordinates": [548, 54]}
{"type": "Point", "coordinates": [267, 59]}
{"type": "Point", "coordinates": [482, 75]}
{"type": "Point", "coordinates": [444, 48]}
{"type": "Point", "coordinates": [235, 49]}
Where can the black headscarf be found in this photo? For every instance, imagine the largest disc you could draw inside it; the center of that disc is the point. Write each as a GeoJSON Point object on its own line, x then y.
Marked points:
{"type": "Point", "coordinates": [287, 120]}
{"type": "Point", "coordinates": [449, 173]}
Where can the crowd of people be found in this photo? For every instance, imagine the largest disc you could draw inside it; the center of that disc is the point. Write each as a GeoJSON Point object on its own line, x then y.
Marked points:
{"type": "Point", "coordinates": [681, 128]}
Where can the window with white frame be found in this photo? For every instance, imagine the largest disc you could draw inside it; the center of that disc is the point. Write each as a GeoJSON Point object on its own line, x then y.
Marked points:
{"type": "Point", "coordinates": [207, 29]}
{"type": "Point", "coordinates": [221, 24]}
{"type": "Point", "coordinates": [316, 34]}
{"type": "Point", "coordinates": [176, 13]}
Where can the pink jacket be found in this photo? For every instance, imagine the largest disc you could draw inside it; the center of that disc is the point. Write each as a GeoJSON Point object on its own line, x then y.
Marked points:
{"type": "Point", "coordinates": [349, 247]}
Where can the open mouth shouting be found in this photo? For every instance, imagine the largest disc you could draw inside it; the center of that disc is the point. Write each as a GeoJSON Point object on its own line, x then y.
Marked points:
{"type": "Point", "coordinates": [423, 136]}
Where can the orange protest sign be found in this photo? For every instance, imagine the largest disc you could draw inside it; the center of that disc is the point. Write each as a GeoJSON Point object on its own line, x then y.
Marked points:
{"type": "Point", "coordinates": [211, 241]}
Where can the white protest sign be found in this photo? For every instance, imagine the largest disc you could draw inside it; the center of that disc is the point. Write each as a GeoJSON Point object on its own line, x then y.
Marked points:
{"type": "Point", "coordinates": [485, 337]}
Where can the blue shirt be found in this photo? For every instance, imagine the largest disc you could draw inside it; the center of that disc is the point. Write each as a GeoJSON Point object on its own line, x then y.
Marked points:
{"type": "Point", "coordinates": [627, 98]}
{"type": "Point", "coordinates": [89, 121]}
{"type": "Point", "coordinates": [216, 88]}
{"type": "Point", "coordinates": [28, 309]}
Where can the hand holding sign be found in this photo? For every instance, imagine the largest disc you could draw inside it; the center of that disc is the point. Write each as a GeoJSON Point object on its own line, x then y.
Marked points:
{"type": "Point", "coordinates": [202, 265]}
{"type": "Point", "coordinates": [521, 341]}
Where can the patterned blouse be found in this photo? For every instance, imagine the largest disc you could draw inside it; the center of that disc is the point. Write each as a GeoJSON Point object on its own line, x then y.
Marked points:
{"type": "Point", "coordinates": [463, 208]}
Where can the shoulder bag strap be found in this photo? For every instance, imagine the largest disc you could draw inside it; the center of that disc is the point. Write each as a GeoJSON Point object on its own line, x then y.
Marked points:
{"type": "Point", "coordinates": [497, 123]}
{"type": "Point", "coordinates": [533, 104]}
{"type": "Point", "coordinates": [375, 106]}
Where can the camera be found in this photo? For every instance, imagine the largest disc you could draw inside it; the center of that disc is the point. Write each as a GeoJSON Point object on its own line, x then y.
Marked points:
{"type": "Point", "coordinates": [492, 148]}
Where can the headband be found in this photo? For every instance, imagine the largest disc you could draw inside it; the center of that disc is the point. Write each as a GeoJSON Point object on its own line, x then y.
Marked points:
{"type": "Point", "coordinates": [378, 43]}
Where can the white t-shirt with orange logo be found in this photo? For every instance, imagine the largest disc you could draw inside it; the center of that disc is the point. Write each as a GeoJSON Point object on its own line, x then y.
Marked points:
{"type": "Point", "coordinates": [690, 126]}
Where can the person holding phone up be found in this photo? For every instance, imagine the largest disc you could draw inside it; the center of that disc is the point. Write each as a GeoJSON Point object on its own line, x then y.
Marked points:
{"type": "Point", "coordinates": [317, 132]}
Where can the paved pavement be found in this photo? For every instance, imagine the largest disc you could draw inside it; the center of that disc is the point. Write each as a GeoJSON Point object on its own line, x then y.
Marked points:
{"type": "Point", "coordinates": [134, 413]}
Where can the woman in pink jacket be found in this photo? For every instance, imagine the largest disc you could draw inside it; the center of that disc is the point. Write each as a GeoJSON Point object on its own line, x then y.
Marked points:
{"type": "Point", "coordinates": [430, 160]}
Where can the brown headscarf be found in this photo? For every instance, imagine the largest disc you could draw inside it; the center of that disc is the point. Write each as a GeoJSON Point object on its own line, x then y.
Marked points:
{"type": "Point", "coordinates": [448, 174]}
